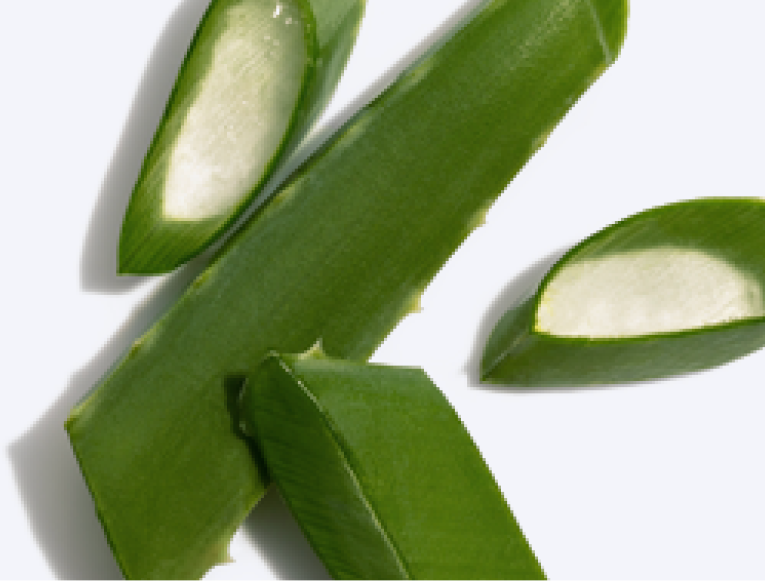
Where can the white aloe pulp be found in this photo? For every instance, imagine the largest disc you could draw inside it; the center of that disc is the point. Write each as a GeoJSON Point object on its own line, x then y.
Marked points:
{"type": "Point", "coordinates": [640, 292]}
{"type": "Point", "coordinates": [237, 117]}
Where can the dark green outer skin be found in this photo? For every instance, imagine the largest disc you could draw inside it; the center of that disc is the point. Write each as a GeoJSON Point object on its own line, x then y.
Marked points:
{"type": "Point", "coordinates": [729, 228]}
{"type": "Point", "coordinates": [341, 255]}
{"type": "Point", "coordinates": [381, 474]}
{"type": "Point", "coordinates": [330, 33]}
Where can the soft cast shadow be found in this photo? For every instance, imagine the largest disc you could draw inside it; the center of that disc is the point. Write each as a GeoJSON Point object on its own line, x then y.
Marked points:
{"type": "Point", "coordinates": [57, 501]}
{"type": "Point", "coordinates": [280, 541]}
{"type": "Point", "coordinates": [518, 289]}
{"type": "Point", "coordinates": [60, 511]}
{"type": "Point", "coordinates": [98, 264]}
{"type": "Point", "coordinates": [59, 507]}
{"type": "Point", "coordinates": [58, 504]}
{"type": "Point", "coordinates": [317, 138]}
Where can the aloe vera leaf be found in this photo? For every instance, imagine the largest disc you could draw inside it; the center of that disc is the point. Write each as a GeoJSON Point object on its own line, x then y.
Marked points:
{"type": "Point", "coordinates": [257, 74]}
{"type": "Point", "coordinates": [380, 473]}
{"type": "Point", "coordinates": [341, 254]}
{"type": "Point", "coordinates": [672, 290]}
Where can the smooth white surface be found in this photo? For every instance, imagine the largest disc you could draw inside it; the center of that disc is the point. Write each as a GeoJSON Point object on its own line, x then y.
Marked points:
{"type": "Point", "coordinates": [641, 292]}
{"type": "Point", "coordinates": [659, 480]}
{"type": "Point", "coordinates": [238, 118]}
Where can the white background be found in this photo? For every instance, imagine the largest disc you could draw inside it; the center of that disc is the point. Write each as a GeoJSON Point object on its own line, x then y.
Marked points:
{"type": "Point", "coordinates": [656, 480]}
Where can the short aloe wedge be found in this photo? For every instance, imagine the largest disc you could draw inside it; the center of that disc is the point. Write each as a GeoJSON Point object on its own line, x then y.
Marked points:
{"type": "Point", "coordinates": [341, 255]}
{"type": "Point", "coordinates": [380, 473]}
{"type": "Point", "coordinates": [257, 74]}
{"type": "Point", "coordinates": [672, 290]}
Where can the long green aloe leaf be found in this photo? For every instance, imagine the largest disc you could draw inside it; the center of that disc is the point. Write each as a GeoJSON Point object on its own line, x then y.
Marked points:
{"type": "Point", "coordinates": [380, 473]}
{"type": "Point", "coordinates": [672, 290]}
{"type": "Point", "coordinates": [256, 76]}
{"type": "Point", "coordinates": [341, 254]}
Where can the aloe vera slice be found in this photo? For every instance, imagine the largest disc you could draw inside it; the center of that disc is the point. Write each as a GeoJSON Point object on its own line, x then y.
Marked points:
{"type": "Point", "coordinates": [672, 290]}
{"type": "Point", "coordinates": [256, 76]}
{"type": "Point", "coordinates": [380, 473]}
{"type": "Point", "coordinates": [341, 254]}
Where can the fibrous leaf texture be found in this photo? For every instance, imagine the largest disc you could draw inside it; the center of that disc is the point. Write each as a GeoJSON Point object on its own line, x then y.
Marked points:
{"type": "Point", "coordinates": [381, 474]}
{"type": "Point", "coordinates": [339, 255]}
{"type": "Point", "coordinates": [672, 290]}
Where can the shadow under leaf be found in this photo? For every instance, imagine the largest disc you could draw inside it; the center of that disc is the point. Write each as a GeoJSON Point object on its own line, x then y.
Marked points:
{"type": "Point", "coordinates": [57, 501]}
{"type": "Point", "coordinates": [281, 543]}
{"type": "Point", "coordinates": [518, 289]}
{"type": "Point", "coordinates": [98, 263]}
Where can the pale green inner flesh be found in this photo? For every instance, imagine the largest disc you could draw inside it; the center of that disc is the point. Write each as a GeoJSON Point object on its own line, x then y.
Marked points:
{"type": "Point", "coordinates": [240, 112]}
{"type": "Point", "coordinates": [642, 292]}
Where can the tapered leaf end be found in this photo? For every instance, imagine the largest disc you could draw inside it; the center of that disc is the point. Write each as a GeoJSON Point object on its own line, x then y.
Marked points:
{"type": "Point", "coordinates": [246, 95]}
{"type": "Point", "coordinates": [511, 336]}
{"type": "Point", "coordinates": [150, 245]}
{"type": "Point", "coordinates": [134, 258]}
{"type": "Point", "coordinates": [671, 290]}
{"type": "Point", "coordinates": [610, 18]}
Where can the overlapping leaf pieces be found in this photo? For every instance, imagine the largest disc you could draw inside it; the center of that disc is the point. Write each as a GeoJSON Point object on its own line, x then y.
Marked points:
{"type": "Point", "coordinates": [340, 254]}
{"type": "Point", "coordinates": [380, 473]}
{"type": "Point", "coordinates": [672, 290]}
{"type": "Point", "coordinates": [257, 75]}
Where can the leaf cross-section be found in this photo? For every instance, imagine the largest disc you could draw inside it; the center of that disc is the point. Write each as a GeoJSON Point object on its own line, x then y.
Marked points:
{"type": "Point", "coordinates": [257, 75]}
{"type": "Point", "coordinates": [671, 290]}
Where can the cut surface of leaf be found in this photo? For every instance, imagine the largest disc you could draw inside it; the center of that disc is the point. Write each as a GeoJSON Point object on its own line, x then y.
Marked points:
{"type": "Point", "coordinates": [381, 474]}
{"type": "Point", "coordinates": [657, 290]}
{"type": "Point", "coordinates": [339, 255]}
{"type": "Point", "coordinates": [671, 290]}
{"type": "Point", "coordinates": [245, 95]}
{"type": "Point", "coordinates": [240, 113]}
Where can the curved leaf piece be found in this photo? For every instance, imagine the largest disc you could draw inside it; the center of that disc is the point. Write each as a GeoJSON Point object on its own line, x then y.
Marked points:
{"type": "Point", "coordinates": [672, 290]}
{"type": "Point", "coordinates": [381, 474]}
{"type": "Point", "coordinates": [341, 254]}
{"type": "Point", "coordinates": [257, 74]}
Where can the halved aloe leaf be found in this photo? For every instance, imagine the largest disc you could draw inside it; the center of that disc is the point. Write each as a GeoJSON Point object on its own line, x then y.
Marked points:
{"type": "Point", "coordinates": [256, 76]}
{"type": "Point", "coordinates": [380, 473]}
{"type": "Point", "coordinates": [341, 254]}
{"type": "Point", "coordinates": [672, 290]}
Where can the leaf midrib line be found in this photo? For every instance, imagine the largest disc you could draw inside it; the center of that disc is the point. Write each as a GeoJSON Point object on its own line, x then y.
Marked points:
{"type": "Point", "coordinates": [337, 441]}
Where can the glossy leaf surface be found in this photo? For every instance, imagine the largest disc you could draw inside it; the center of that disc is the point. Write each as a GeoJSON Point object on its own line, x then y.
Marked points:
{"type": "Point", "coordinates": [341, 254]}
{"type": "Point", "coordinates": [380, 473]}
{"type": "Point", "coordinates": [672, 290]}
{"type": "Point", "coordinates": [256, 76]}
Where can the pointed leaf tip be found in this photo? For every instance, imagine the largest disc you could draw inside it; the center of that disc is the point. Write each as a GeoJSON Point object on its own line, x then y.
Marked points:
{"type": "Point", "coordinates": [256, 77]}
{"type": "Point", "coordinates": [671, 290]}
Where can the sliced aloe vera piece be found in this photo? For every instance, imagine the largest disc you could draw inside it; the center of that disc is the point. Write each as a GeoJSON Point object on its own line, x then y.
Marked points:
{"type": "Point", "coordinates": [341, 254]}
{"type": "Point", "coordinates": [380, 473]}
{"type": "Point", "coordinates": [256, 76]}
{"type": "Point", "coordinates": [672, 290]}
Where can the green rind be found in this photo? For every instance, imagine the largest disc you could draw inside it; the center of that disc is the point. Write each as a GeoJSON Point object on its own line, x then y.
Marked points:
{"type": "Point", "coordinates": [613, 24]}
{"type": "Point", "coordinates": [151, 244]}
{"type": "Point", "coordinates": [340, 255]}
{"type": "Point", "coordinates": [381, 474]}
{"type": "Point", "coordinates": [728, 228]}
{"type": "Point", "coordinates": [311, 469]}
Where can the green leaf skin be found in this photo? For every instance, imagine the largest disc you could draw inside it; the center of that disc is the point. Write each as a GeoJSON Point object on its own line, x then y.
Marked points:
{"type": "Point", "coordinates": [724, 240]}
{"type": "Point", "coordinates": [341, 254]}
{"type": "Point", "coordinates": [380, 473]}
{"type": "Point", "coordinates": [244, 99]}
